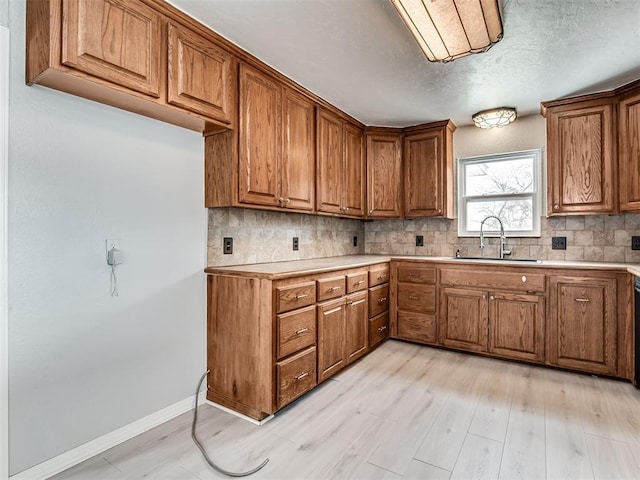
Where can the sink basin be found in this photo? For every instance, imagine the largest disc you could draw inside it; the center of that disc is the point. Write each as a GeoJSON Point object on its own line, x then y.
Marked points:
{"type": "Point", "coordinates": [525, 260]}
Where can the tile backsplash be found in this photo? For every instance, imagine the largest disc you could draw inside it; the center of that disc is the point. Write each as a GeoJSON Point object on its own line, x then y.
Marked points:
{"type": "Point", "coordinates": [264, 236]}
{"type": "Point", "coordinates": [596, 238]}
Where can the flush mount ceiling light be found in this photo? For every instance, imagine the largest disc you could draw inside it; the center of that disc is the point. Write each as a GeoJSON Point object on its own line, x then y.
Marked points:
{"type": "Point", "coordinates": [495, 117]}
{"type": "Point", "coordinates": [450, 29]}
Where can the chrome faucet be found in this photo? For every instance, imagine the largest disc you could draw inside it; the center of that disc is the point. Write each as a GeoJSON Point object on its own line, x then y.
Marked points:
{"type": "Point", "coordinates": [503, 238]}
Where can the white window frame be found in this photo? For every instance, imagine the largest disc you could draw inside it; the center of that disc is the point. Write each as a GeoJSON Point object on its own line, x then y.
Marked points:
{"type": "Point", "coordinates": [463, 199]}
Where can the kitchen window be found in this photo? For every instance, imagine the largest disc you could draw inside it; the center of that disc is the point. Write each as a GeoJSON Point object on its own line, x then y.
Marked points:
{"type": "Point", "coordinates": [506, 185]}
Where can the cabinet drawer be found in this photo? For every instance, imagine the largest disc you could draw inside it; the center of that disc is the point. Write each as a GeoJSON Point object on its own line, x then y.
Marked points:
{"type": "Point", "coordinates": [378, 300]}
{"type": "Point", "coordinates": [331, 288]}
{"type": "Point", "coordinates": [378, 275]}
{"type": "Point", "coordinates": [416, 326]}
{"type": "Point", "coordinates": [296, 330]}
{"type": "Point", "coordinates": [357, 282]}
{"type": "Point", "coordinates": [378, 329]}
{"type": "Point", "coordinates": [417, 298]}
{"type": "Point", "coordinates": [296, 376]}
{"type": "Point", "coordinates": [416, 274]}
{"type": "Point", "coordinates": [493, 280]}
{"type": "Point", "coordinates": [295, 296]}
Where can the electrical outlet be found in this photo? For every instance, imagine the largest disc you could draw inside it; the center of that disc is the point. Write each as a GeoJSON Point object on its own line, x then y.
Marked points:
{"type": "Point", "coordinates": [112, 243]}
{"type": "Point", "coordinates": [355, 240]}
{"type": "Point", "coordinates": [227, 245]}
{"type": "Point", "coordinates": [296, 243]}
{"type": "Point", "coordinates": [635, 243]}
{"type": "Point", "coordinates": [419, 241]}
{"type": "Point", "coordinates": [558, 243]}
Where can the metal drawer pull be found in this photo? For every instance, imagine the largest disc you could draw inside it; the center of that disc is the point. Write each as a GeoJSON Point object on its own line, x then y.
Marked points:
{"type": "Point", "coordinates": [356, 303]}
{"type": "Point", "coordinates": [380, 277]}
{"type": "Point", "coordinates": [358, 282]}
{"type": "Point", "coordinates": [413, 296]}
{"type": "Point", "coordinates": [413, 274]}
{"type": "Point", "coordinates": [583, 300]}
{"type": "Point", "coordinates": [382, 328]}
{"type": "Point", "coordinates": [333, 289]}
{"type": "Point", "coordinates": [301, 376]}
{"type": "Point", "coordinates": [300, 295]}
{"type": "Point", "coordinates": [382, 300]}
{"type": "Point", "coordinates": [333, 310]}
{"type": "Point", "coordinates": [301, 331]}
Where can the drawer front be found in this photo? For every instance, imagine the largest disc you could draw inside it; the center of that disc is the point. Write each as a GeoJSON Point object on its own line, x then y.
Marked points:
{"type": "Point", "coordinates": [357, 282]}
{"type": "Point", "coordinates": [417, 327]}
{"type": "Point", "coordinates": [378, 329]}
{"type": "Point", "coordinates": [417, 298]}
{"type": "Point", "coordinates": [492, 280]}
{"type": "Point", "coordinates": [378, 300]}
{"type": "Point", "coordinates": [378, 275]}
{"type": "Point", "coordinates": [296, 376]}
{"type": "Point", "coordinates": [295, 296]}
{"type": "Point", "coordinates": [329, 288]}
{"type": "Point", "coordinates": [409, 273]}
{"type": "Point", "coordinates": [296, 330]}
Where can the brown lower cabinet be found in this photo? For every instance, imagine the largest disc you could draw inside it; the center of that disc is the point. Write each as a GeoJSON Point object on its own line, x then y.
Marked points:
{"type": "Point", "coordinates": [272, 339]}
{"type": "Point", "coordinates": [582, 326]}
{"type": "Point", "coordinates": [569, 318]}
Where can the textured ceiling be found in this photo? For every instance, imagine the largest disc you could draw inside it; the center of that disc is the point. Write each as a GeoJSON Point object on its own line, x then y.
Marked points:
{"type": "Point", "coordinates": [359, 56]}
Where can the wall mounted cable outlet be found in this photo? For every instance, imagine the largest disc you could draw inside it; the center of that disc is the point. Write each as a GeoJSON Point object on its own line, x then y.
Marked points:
{"type": "Point", "coordinates": [635, 243]}
{"type": "Point", "coordinates": [419, 240]}
{"type": "Point", "coordinates": [558, 243]}
{"type": "Point", "coordinates": [227, 245]}
{"type": "Point", "coordinates": [111, 243]}
{"type": "Point", "coordinates": [296, 243]}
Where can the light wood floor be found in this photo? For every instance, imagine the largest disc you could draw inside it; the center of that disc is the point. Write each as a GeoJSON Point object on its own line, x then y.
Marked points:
{"type": "Point", "coordinates": [409, 412]}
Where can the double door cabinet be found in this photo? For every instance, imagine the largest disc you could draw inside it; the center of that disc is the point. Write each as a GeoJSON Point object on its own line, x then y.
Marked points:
{"type": "Point", "coordinates": [573, 319]}
{"type": "Point", "coordinates": [144, 57]}
{"type": "Point", "coordinates": [272, 340]}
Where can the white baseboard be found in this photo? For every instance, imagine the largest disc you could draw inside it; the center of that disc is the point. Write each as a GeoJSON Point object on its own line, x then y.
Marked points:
{"type": "Point", "coordinates": [239, 415]}
{"type": "Point", "coordinates": [94, 447]}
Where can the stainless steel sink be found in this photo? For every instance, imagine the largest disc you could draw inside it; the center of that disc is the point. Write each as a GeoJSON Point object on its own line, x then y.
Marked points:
{"type": "Point", "coordinates": [525, 260]}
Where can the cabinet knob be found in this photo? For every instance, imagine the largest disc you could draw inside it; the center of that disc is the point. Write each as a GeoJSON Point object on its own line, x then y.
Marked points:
{"type": "Point", "coordinates": [281, 200]}
{"type": "Point", "coordinates": [491, 297]}
{"type": "Point", "coordinates": [556, 207]}
{"type": "Point", "coordinates": [524, 279]}
{"type": "Point", "coordinates": [381, 300]}
{"type": "Point", "coordinates": [382, 328]}
{"type": "Point", "coordinates": [439, 210]}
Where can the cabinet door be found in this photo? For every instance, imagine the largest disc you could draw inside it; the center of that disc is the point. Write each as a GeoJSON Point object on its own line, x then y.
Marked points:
{"type": "Point", "coordinates": [423, 175]}
{"type": "Point", "coordinates": [200, 75]}
{"type": "Point", "coordinates": [298, 177]}
{"type": "Point", "coordinates": [356, 319]}
{"type": "Point", "coordinates": [629, 151]}
{"type": "Point", "coordinates": [115, 40]}
{"type": "Point", "coordinates": [383, 176]}
{"type": "Point", "coordinates": [580, 160]}
{"type": "Point", "coordinates": [516, 326]}
{"type": "Point", "coordinates": [582, 324]}
{"type": "Point", "coordinates": [329, 186]}
{"type": "Point", "coordinates": [354, 171]}
{"type": "Point", "coordinates": [463, 319]}
{"type": "Point", "coordinates": [260, 98]}
{"type": "Point", "coordinates": [331, 338]}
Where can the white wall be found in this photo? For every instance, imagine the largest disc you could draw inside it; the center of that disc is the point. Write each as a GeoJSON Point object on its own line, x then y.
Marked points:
{"type": "Point", "coordinates": [524, 134]}
{"type": "Point", "coordinates": [83, 363]}
{"type": "Point", "coordinates": [4, 12]}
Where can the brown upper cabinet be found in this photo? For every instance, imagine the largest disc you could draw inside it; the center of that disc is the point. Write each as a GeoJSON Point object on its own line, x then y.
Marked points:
{"type": "Point", "coordinates": [580, 158]}
{"type": "Point", "coordinates": [340, 166]}
{"type": "Point", "coordinates": [428, 170]}
{"type": "Point", "coordinates": [629, 150]}
{"type": "Point", "coordinates": [593, 158]}
{"type": "Point", "coordinates": [384, 174]}
{"type": "Point", "coordinates": [133, 55]}
{"type": "Point", "coordinates": [276, 166]}
{"type": "Point", "coordinates": [201, 75]}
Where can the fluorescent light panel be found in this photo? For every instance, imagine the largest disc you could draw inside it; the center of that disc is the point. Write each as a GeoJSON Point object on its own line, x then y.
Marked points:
{"type": "Point", "coordinates": [450, 29]}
